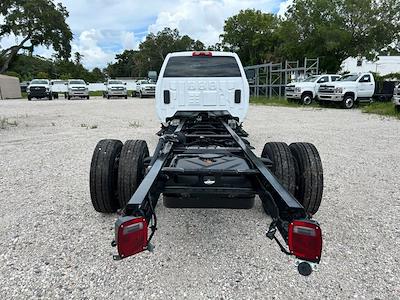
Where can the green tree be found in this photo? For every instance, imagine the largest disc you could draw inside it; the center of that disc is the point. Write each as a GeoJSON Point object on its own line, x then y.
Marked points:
{"type": "Point", "coordinates": [28, 66]}
{"type": "Point", "coordinates": [13, 73]}
{"type": "Point", "coordinates": [36, 22]}
{"type": "Point", "coordinates": [336, 29]}
{"type": "Point", "coordinates": [125, 66]}
{"type": "Point", "coordinates": [78, 58]}
{"type": "Point", "coordinates": [42, 75]}
{"type": "Point", "coordinates": [97, 75]}
{"type": "Point", "coordinates": [151, 53]}
{"type": "Point", "coordinates": [252, 34]}
{"type": "Point", "coordinates": [156, 47]}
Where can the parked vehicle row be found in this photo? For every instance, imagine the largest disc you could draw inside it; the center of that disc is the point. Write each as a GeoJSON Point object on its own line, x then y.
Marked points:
{"type": "Point", "coordinates": [78, 88]}
{"type": "Point", "coordinates": [306, 91]}
{"type": "Point", "coordinates": [348, 90]}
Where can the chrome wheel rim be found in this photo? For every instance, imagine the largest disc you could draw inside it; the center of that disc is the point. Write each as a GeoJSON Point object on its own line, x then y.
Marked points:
{"type": "Point", "coordinates": [307, 100]}
{"type": "Point", "coordinates": [349, 102]}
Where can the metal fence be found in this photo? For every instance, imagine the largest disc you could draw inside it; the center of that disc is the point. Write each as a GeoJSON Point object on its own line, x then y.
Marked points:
{"type": "Point", "coordinates": [270, 79]}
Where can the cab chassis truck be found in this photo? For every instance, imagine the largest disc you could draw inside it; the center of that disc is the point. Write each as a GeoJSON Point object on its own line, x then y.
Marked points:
{"type": "Point", "coordinates": [203, 159]}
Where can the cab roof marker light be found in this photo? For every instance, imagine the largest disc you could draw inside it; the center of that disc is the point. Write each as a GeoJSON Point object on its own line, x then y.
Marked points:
{"type": "Point", "coordinates": [202, 53]}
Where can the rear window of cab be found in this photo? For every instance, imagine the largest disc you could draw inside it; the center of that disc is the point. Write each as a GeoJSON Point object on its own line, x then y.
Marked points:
{"type": "Point", "coordinates": [202, 66]}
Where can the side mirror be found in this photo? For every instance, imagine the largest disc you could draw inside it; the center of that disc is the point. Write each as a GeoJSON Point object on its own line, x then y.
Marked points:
{"type": "Point", "coordinates": [52, 83]}
{"type": "Point", "coordinates": [66, 83]}
{"type": "Point", "coordinates": [105, 83]}
{"type": "Point", "coordinates": [124, 83]}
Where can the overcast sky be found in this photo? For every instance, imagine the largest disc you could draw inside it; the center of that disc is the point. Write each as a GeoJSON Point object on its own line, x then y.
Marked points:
{"type": "Point", "coordinates": [103, 28]}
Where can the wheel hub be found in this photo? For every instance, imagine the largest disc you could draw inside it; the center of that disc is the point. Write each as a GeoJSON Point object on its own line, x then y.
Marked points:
{"type": "Point", "coordinates": [349, 102]}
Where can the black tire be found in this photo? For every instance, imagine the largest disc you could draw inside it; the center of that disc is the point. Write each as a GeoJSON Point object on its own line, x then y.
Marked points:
{"type": "Point", "coordinates": [397, 108]}
{"type": "Point", "coordinates": [126, 97]}
{"type": "Point", "coordinates": [131, 169]}
{"type": "Point", "coordinates": [284, 167]}
{"type": "Point", "coordinates": [108, 97]}
{"type": "Point", "coordinates": [306, 99]}
{"type": "Point", "coordinates": [140, 95]}
{"type": "Point", "coordinates": [103, 176]}
{"type": "Point", "coordinates": [348, 102]}
{"type": "Point", "coordinates": [309, 176]}
{"type": "Point", "coordinates": [29, 98]}
{"type": "Point", "coordinates": [69, 97]}
{"type": "Point", "coordinates": [88, 97]}
{"type": "Point", "coordinates": [50, 97]}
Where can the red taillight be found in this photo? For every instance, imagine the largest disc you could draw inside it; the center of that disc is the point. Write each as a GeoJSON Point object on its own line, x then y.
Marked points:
{"type": "Point", "coordinates": [131, 235]}
{"type": "Point", "coordinates": [305, 240]}
{"type": "Point", "coordinates": [202, 53]}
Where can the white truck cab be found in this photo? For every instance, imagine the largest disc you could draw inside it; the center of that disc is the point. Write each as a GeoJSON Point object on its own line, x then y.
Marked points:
{"type": "Point", "coordinates": [202, 81]}
{"type": "Point", "coordinates": [77, 88]}
{"type": "Point", "coordinates": [349, 89]}
{"type": "Point", "coordinates": [39, 88]}
{"type": "Point", "coordinates": [305, 91]}
{"type": "Point", "coordinates": [396, 97]}
{"type": "Point", "coordinates": [115, 88]}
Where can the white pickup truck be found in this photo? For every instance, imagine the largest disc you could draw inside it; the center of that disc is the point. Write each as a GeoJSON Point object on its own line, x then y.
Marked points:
{"type": "Point", "coordinates": [349, 90]}
{"type": "Point", "coordinates": [396, 98]}
{"type": "Point", "coordinates": [202, 81]}
{"type": "Point", "coordinates": [306, 91]}
{"type": "Point", "coordinates": [58, 87]}
{"type": "Point", "coordinates": [115, 88]}
{"type": "Point", "coordinates": [39, 88]}
{"type": "Point", "coordinates": [145, 87]}
{"type": "Point", "coordinates": [77, 88]}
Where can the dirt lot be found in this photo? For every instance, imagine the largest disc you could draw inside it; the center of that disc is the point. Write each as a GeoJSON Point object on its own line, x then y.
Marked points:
{"type": "Point", "coordinates": [53, 244]}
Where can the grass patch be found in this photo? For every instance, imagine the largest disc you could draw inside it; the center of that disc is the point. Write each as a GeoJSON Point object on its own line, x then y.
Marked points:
{"type": "Point", "coordinates": [94, 126]}
{"type": "Point", "coordinates": [100, 93]}
{"type": "Point", "coordinates": [135, 124]}
{"type": "Point", "coordinates": [6, 122]}
{"type": "Point", "coordinates": [96, 94]}
{"type": "Point", "coordinates": [276, 101]}
{"type": "Point", "coordinates": [381, 108]}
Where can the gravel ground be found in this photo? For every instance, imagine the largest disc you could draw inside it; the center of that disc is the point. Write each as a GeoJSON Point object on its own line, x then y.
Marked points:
{"type": "Point", "coordinates": [54, 245]}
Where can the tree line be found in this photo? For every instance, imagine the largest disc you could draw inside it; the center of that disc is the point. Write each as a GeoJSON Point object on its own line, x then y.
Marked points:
{"type": "Point", "coordinates": [329, 29]}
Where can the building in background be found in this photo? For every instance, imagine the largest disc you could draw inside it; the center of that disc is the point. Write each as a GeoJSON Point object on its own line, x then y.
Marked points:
{"type": "Point", "coordinates": [383, 65]}
{"type": "Point", "coordinates": [9, 87]}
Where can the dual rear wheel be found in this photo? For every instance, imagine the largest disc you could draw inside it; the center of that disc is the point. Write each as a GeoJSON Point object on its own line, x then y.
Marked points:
{"type": "Point", "coordinates": [115, 173]}
{"type": "Point", "coordinates": [299, 169]}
